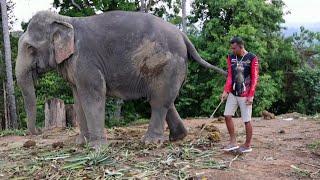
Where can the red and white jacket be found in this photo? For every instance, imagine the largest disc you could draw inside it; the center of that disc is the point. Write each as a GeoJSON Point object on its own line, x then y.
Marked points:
{"type": "Point", "coordinates": [250, 74]}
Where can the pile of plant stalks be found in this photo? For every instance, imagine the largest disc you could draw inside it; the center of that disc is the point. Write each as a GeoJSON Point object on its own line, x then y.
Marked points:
{"type": "Point", "coordinates": [118, 160]}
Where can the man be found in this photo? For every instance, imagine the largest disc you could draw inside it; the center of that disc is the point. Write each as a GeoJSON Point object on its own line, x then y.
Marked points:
{"type": "Point", "coordinates": [239, 91]}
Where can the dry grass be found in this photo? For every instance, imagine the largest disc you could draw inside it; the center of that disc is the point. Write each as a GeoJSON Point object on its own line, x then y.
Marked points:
{"type": "Point", "coordinates": [126, 160]}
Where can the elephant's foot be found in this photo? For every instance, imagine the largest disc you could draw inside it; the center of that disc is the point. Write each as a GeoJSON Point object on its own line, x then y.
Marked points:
{"type": "Point", "coordinates": [81, 139]}
{"type": "Point", "coordinates": [91, 142]}
{"type": "Point", "coordinates": [96, 141]}
{"type": "Point", "coordinates": [178, 134]}
{"type": "Point", "coordinates": [34, 131]}
{"type": "Point", "coordinates": [97, 144]}
{"type": "Point", "coordinates": [150, 138]}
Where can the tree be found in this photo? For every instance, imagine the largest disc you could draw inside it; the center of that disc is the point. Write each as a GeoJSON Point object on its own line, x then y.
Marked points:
{"type": "Point", "coordinates": [143, 6]}
{"type": "Point", "coordinates": [303, 73]}
{"type": "Point", "coordinates": [184, 26]}
{"type": "Point", "coordinates": [10, 6]}
{"type": "Point", "coordinates": [75, 8]}
{"type": "Point", "coordinates": [161, 8]}
{"type": "Point", "coordinates": [13, 122]}
{"type": "Point", "coordinates": [307, 43]}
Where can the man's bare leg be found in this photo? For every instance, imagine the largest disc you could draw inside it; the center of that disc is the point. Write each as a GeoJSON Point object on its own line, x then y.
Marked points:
{"type": "Point", "coordinates": [248, 134]}
{"type": "Point", "coordinates": [230, 127]}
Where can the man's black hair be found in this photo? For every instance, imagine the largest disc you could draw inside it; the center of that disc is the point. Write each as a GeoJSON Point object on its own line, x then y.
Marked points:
{"type": "Point", "coordinates": [238, 40]}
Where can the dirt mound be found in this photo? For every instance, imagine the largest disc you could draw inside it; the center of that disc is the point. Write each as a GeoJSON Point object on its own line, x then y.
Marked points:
{"type": "Point", "coordinates": [29, 144]}
{"type": "Point", "coordinates": [293, 115]}
{"type": "Point", "coordinates": [267, 115]}
{"type": "Point", "coordinates": [58, 144]}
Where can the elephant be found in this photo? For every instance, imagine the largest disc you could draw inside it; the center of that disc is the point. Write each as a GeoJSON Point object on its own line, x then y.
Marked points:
{"type": "Point", "coordinates": [129, 55]}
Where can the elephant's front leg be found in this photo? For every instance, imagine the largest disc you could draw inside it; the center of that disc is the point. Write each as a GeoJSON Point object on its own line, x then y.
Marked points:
{"type": "Point", "coordinates": [84, 135]}
{"type": "Point", "coordinates": [92, 95]}
{"type": "Point", "coordinates": [155, 130]}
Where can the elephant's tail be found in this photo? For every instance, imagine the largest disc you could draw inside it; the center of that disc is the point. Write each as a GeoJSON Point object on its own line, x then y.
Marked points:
{"type": "Point", "coordinates": [192, 52]}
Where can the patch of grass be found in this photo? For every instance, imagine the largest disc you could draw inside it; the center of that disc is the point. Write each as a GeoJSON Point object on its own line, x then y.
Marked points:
{"type": "Point", "coordinates": [112, 122]}
{"type": "Point", "coordinates": [102, 156]}
{"type": "Point", "coordinates": [301, 172]}
{"type": "Point", "coordinates": [125, 122]}
{"type": "Point", "coordinates": [138, 122]}
{"type": "Point", "coordinates": [16, 132]}
{"type": "Point", "coordinates": [317, 117]}
{"type": "Point", "coordinates": [314, 145]}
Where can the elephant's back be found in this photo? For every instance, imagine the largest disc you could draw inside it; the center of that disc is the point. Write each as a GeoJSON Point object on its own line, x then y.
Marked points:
{"type": "Point", "coordinates": [129, 19]}
{"type": "Point", "coordinates": [137, 49]}
{"type": "Point", "coordinates": [128, 30]}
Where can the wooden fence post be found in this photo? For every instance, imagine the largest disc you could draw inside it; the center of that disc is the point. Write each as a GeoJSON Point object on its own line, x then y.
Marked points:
{"type": "Point", "coordinates": [71, 115]}
{"type": "Point", "coordinates": [55, 114]}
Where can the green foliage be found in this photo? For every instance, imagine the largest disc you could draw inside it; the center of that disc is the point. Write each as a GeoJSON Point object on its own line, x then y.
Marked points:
{"type": "Point", "coordinates": [15, 132]}
{"type": "Point", "coordinates": [51, 86]}
{"type": "Point", "coordinates": [314, 145]}
{"type": "Point", "coordinates": [91, 7]}
{"type": "Point", "coordinates": [306, 91]}
{"type": "Point", "coordinates": [268, 92]}
{"type": "Point", "coordinates": [307, 43]}
{"type": "Point", "coordinates": [306, 39]}
{"type": "Point", "coordinates": [102, 156]}
{"type": "Point", "coordinates": [258, 23]}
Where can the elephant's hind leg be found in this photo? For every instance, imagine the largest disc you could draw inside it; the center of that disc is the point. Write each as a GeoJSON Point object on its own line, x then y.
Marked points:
{"type": "Point", "coordinates": [165, 87]}
{"type": "Point", "coordinates": [177, 129]}
{"type": "Point", "coordinates": [155, 130]}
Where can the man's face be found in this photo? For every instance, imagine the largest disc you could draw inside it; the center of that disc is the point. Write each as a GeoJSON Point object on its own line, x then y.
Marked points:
{"type": "Point", "coordinates": [236, 48]}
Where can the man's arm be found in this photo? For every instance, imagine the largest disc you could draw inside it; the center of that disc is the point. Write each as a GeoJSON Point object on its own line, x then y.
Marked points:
{"type": "Point", "coordinates": [228, 85]}
{"type": "Point", "coordinates": [254, 76]}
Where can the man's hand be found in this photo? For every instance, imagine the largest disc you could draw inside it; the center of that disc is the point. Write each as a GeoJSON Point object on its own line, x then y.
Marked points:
{"type": "Point", "coordinates": [249, 100]}
{"type": "Point", "coordinates": [224, 96]}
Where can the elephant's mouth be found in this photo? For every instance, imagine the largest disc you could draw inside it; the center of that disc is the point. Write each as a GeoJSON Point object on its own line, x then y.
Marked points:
{"type": "Point", "coordinates": [35, 73]}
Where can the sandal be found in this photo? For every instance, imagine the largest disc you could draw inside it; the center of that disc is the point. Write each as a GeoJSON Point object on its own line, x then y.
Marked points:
{"type": "Point", "coordinates": [243, 149]}
{"type": "Point", "coordinates": [230, 147]}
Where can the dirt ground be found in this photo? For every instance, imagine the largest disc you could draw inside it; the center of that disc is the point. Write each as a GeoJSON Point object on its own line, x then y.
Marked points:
{"type": "Point", "coordinates": [287, 147]}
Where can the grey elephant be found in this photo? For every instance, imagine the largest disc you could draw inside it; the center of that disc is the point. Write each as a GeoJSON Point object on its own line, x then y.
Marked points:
{"type": "Point", "coordinates": [128, 55]}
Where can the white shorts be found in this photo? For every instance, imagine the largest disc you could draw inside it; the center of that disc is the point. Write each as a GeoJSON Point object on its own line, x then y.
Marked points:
{"type": "Point", "coordinates": [232, 105]}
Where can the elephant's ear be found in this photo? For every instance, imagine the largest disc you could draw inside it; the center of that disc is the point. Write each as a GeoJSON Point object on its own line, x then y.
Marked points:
{"type": "Point", "coordinates": [63, 40]}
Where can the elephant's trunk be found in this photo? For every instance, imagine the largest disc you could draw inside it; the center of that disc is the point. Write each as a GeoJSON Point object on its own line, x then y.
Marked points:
{"type": "Point", "coordinates": [25, 82]}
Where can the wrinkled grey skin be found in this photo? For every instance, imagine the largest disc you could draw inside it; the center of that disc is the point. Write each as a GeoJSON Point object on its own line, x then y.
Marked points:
{"type": "Point", "coordinates": [128, 55]}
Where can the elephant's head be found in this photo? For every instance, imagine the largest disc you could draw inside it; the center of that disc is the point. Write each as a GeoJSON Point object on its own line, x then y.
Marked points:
{"type": "Point", "coordinates": [47, 42]}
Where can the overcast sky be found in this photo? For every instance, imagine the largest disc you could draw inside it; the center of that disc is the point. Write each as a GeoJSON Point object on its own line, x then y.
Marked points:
{"type": "Point", "coordinates": [302, 11]}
